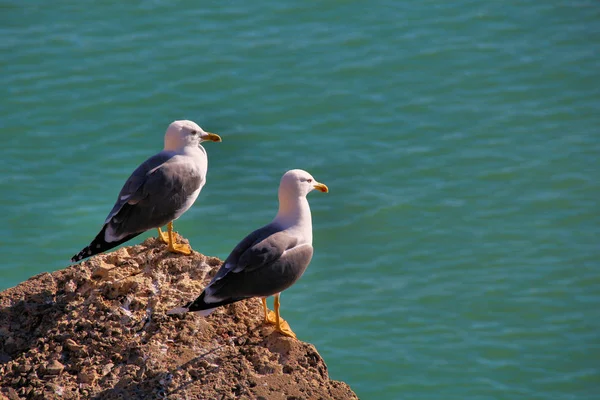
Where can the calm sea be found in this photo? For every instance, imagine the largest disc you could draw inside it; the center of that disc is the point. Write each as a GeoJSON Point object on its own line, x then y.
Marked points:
{"type": "Point", "coordinates": [457, 255]}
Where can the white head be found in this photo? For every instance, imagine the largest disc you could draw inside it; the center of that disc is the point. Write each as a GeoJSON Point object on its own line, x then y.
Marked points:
{"type": "Point", "coordinates": [298, 183]}
{"type": "Point", "coordinates": [186, 133]}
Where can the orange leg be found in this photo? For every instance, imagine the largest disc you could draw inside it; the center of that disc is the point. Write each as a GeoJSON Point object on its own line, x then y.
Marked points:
{"type": "Point", "coordinates": [275, 318]}
{"type": "Point", "coordinates": [174, 247]}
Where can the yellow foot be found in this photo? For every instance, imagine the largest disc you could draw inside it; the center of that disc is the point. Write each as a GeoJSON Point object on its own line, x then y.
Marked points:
{"type": "Point", "coordinates": [163, 236]}
{"type": "Point", "coordinates": [270, 318]}
{"type": "Point", "coordinates": [180, 248]}
{"type": "Point", "coordinates": [283, 328]}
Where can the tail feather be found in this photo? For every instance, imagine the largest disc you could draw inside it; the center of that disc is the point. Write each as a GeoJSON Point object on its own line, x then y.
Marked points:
{"type": "Point", "coordinates": [99, 244]}
{"type": "Point", "coordinates": [183, 310]}
{"type": "Point", "coordinates": [201, 306]}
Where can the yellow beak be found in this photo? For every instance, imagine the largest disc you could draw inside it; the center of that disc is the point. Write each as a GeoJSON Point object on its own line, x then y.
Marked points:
{"type": "Point", "coordinates": [213, 137]}
{"type": "Point", "coordinates": [321, 187]}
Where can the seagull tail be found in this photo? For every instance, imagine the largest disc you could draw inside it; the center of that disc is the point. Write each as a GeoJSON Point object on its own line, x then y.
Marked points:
{"type": "Point", "coordinates": [204, 308]}
{"type": "Point", "coordinates": [197, 306]}
{"type": "Point", "coordinates": [183, 310]}
{"type": "Point", "coordinates": [99, 244]}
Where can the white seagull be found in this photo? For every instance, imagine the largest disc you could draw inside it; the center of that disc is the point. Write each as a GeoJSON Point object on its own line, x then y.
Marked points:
{"type": "Point", "coordinates": [270, 259]}
{"type": "Point", "coordinates": [158, 192]}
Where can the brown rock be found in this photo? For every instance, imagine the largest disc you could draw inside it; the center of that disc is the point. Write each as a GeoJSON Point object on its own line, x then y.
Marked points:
{"type": "Point", "coordinates": [88, 376]}
{"type": "Point", "coordinates": [54, 368]}
{"type": "Point", "coordinates": [10, 393]}
{"type": "Point", "coordinates": [70, 287]}
{"type": "Point", "coordinates": [101, 272]}
{"type": "Point", "coordinates": [71, 345]}
{"type": "Point", "coordinates": [107, 368]}
{"type": "Point", "coordinates": [105, 320]}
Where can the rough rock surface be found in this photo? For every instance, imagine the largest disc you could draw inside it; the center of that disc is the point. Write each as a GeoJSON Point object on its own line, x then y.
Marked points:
{"type": "Point", "coordinates": [99, 330]}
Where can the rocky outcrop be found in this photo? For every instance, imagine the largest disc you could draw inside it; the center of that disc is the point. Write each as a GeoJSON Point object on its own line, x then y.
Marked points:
{"type": "Point", "coordinates": [99, 330]}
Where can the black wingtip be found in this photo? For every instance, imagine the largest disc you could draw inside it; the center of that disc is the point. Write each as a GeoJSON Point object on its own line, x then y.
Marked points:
{"type": "Point", "coordinates": [197, 304]}
{"type": "Point", "coordinates": [200, 304]}
{"type": "Point", "coordinates": [99, 245]}
{"type": "Point", "coordinates": [85, 252]}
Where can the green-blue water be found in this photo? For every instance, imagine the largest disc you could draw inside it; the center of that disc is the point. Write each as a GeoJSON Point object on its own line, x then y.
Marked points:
{"type": "Point", "coordinates": [457, 253]}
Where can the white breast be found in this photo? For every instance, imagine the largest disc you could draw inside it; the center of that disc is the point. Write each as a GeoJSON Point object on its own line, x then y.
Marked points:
{"type": "Point", "coordinates": [198, 154]}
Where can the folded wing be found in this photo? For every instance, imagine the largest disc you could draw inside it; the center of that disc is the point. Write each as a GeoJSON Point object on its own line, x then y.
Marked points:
{"type": "Point", "coordinates": [266, 262]}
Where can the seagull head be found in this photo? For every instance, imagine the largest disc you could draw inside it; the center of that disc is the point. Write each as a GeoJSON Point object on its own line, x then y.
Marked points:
{"type": "Point", "coordinates": [299, 183]}
{"type": "Point", "coordinates": [186, 133]}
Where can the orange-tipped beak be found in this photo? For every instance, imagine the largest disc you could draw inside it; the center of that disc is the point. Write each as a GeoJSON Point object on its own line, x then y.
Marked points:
{"type": "Point", "coordinates": [321, 187]}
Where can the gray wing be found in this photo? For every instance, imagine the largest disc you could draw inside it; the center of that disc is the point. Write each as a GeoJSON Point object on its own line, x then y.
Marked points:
{"type": "Point", "coordinates": [231, 263]}
{"type": "Point", "coordinates": [266, 262]}
{"type": "Point", "coordinates": [152, 195]}
{"type": "Point", "coordinates": [129, 191]}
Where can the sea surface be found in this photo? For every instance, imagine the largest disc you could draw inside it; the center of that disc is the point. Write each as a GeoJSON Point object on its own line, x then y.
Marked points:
{"type": "Point", "coordinates": [457, 255]}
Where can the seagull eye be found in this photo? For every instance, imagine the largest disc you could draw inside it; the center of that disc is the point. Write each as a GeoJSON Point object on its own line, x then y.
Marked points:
{"type": "Point", "coordinates": [309, 180]}
{"type": "Point", "coordinates": [193, 131]}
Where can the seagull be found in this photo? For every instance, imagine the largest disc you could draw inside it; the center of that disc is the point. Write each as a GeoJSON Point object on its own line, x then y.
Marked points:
{"type": "Point", "coordinates": [158, 192]}
{"type": "Point", "coordinates": [268, 260]}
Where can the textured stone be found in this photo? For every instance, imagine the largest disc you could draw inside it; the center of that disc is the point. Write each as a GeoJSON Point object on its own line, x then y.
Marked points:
{"type": "Point", "coordinates": [54, 368]}
{"type": "Point", "coordinates": [105, 320]}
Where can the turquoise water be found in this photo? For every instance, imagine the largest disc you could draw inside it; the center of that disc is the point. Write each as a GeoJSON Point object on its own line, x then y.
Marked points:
{"type": "Point", "coordinates": [457, 253]}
